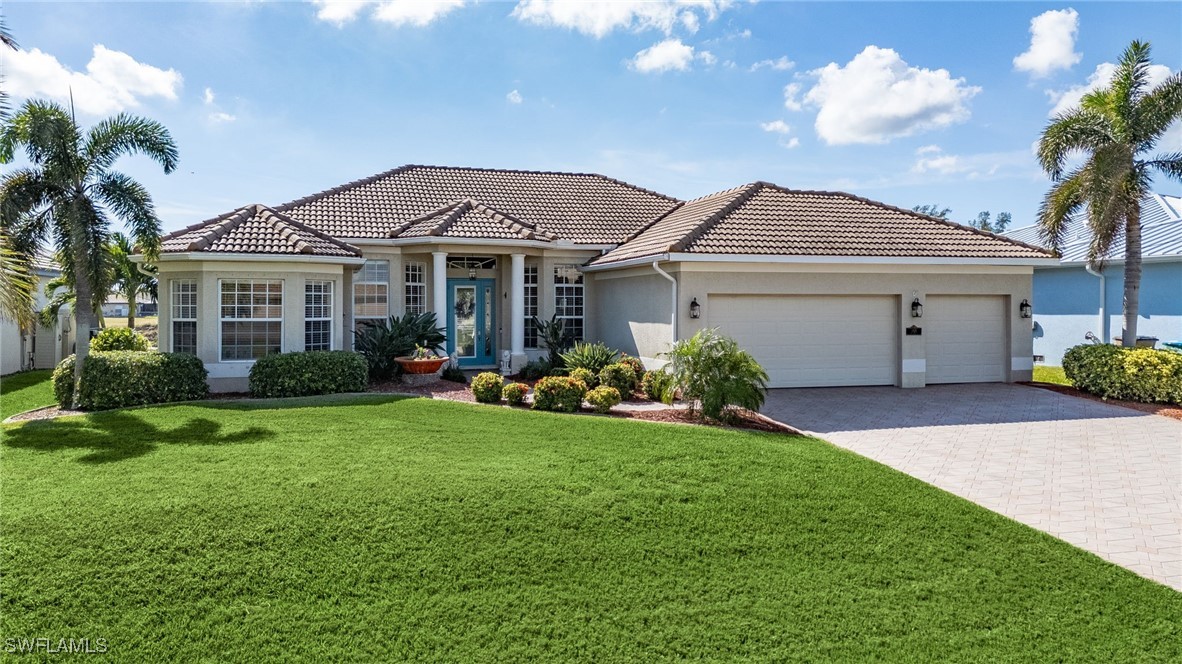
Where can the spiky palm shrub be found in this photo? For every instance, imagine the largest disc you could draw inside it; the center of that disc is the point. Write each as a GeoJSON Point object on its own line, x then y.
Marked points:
{"type": "Point", "coordinates": [715, 376]}
{"type": "Point", "coordinates": [1114, 129]}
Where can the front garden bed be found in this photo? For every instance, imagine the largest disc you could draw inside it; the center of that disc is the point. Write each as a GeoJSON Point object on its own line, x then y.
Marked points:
{"type": "Point", "coordinates": [1164, 409]}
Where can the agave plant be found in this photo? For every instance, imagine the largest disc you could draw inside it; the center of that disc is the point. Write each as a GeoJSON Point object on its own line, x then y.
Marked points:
{"type": "Point", "coordinates": [592, 357]}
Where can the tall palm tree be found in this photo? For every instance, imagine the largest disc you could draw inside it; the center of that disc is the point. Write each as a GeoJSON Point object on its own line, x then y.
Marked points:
{"type": "Point", "coordinates": [69, 192]}
{"type": "Point", "coordinates": [17, 283]}
{"type": "Point", "coordinates": [1114, 129]}
{"type": "Point", "coordinates": [128, 280]}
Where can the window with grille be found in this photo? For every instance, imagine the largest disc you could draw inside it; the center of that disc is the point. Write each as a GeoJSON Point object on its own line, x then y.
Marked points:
{"type": "Point", "coordinates": [568, 300]}
{"type": "Point", "coordinates": [416, 288]}
{"type": "Point", "coordinates": [531, 305]}
{"type": "Point", "coordinates": [184, 316]}
{"type": "Point", "coordinates": [251, 319]}
{"type": "Point", "coordinates": [318, 315]}
{"type": "Point", "coordinates": [371, 293]}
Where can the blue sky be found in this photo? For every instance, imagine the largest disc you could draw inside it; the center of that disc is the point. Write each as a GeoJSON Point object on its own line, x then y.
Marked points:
{"type": "Point", "coordinates": [907, 103]}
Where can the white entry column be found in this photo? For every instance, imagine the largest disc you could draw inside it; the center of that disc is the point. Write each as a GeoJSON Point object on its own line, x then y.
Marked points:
{"type": "Point", "coordinates": [517, 310]}
{"type": "Point", "coordinates": [439, 287]}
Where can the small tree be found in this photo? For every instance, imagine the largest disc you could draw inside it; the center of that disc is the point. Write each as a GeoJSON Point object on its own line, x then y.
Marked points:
{"type": "Point", "coordinates": [128, 281]}
{"type": "Point", "coordinates": [715, 375]}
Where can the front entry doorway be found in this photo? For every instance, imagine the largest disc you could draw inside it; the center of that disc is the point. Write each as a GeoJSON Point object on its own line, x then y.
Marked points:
{"type": "Point", "coordinates": [471, 321]}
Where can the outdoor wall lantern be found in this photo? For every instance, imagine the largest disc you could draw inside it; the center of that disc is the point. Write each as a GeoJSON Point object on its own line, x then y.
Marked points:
{"type": "Point", "coordinates": [916, 309]}
{"type": "Point", "coordinates": [471, 273]}
{"type": "Point", "coordinates": [1024, 309]}
{"type": "Point", "coordinates": [695, 309]}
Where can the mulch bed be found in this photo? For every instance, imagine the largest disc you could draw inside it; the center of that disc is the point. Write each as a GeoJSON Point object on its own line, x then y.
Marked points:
{"type": "Point", "coordinates": [1168, 410]}
{"type": "Point", "coordinates": [47, 413]}
{"type": "Point", "coordinates": [443, 389]}
{"type": "Point", "coordinates": [746, 420]}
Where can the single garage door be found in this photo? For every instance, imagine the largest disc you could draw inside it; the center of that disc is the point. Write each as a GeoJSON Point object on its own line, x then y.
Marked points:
{"type": "Point", "coordinates": [966, 338]}
{"type": "Point", "coordinates": [814, 341]}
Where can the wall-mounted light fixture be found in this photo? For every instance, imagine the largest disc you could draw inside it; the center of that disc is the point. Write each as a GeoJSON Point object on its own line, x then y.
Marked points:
{"type": "Point", "coordinates": [916, 309]}
{"type": "Point", "coordinates": [471, 273]}
{"type": "Point", "coordinates": [1024, 309]}
{"type": "Point", "coordinates": [695, 309]}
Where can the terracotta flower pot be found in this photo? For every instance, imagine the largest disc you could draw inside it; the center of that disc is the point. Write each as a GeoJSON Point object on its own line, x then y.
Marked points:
{"type": "Point", "coordinates": [428, 366]}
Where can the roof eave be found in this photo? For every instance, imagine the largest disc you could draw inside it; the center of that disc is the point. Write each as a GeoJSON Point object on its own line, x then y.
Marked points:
{"type": "Point", "coordinates": [251, 257]}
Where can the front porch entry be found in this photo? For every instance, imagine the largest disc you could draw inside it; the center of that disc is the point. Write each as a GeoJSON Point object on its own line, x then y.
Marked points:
{"type": "Point", "coordinates": [471, 321]}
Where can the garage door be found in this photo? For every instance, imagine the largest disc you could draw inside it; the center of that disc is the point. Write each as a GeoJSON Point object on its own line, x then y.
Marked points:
{"type": "Point", "coordinates": [966, 338]}
{"type": "Point", "coordinates": [814, 341]}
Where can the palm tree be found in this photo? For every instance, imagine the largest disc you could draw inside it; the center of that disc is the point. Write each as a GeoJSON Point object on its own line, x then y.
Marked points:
{"type": "Point", "coordinates": [128, 280]}
{"type": "Point", "coordinates": [1113, 129]}
{"type": "Point", "coordinates": [69, 192]}
{"type": "Point", "coordinates": [17, 283]}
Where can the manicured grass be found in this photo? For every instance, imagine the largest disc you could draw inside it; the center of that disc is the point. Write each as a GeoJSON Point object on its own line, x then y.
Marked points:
{"type": "Point", "coordinates": [376, 528]}
{"type": "Point", "coordinates": [25, 391]}
{"type": "Point", "coordinates": [1055, 375]}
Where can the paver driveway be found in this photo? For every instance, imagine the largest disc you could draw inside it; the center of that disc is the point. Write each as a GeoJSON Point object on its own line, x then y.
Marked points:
{"type": "Point", "coordinates": [1104, 478]}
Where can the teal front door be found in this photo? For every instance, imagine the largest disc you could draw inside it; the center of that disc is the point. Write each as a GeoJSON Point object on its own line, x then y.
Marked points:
{"type": "Point", "coordinates": [471, 324]}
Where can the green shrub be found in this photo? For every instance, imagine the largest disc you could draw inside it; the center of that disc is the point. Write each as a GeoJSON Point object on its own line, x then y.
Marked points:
{"type": "Point", "coordinates": [1134, 374]}
{"type": "Point", "coordinates": [585, 376]}
{"type": "Point", "coordinates": [553, 338]}
{"type": "Point", "coordinates": [306, 373]}
{"type": "Point", "coordinates": [655, 383]}
{"type": "Point", "coordinates": [487, 387]}
{"type": "Point", "coordinates": [514, 393]}
{"type": "Point", "coordinates": [114, 379]}
{"type": "Point", "coordinates": [593, 357]}
{"type": "Point", "coordinates": [560, 393]}
{"type": "Point", "coordinates": [454, 374]}
{"type": "Point", "coordinates": [534, 370]}
{"type": "Point", "coordinates": [715, 375]}
{"type": "Point", "coordinates": [634, 362]}
{"type": "Point", "coordinates": [118, 338]}
{"type": "Point", "coordinates": [620, 376]}
{"type": "Point", "coordinates": [382, 341]}
{"type": "Point", "coordinates": [603, 398]}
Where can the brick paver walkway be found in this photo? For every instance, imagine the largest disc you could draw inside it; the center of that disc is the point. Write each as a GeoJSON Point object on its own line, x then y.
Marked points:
{"type": "Point", "coordinates": [1104, 478]}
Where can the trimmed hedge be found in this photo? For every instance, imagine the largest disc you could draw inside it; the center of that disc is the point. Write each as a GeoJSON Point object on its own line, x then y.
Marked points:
{"type": "Point", "coordinates": [514, 393]}
{"type": "Point", "coordinates": [559, 393]}
{"type": "Point", "coordinates": [586, 376]}
{"type": "Point", "coordinates": [1133, 374]}
{"type": "Point", "coordinates": [603, 398]}
{"type": "Point", "coordinates": [620, 376]}
{"type": "Point", "coordinates": [306, 373]}
{"type": "Point", "coordinates": [487, 387]}
{"type": "Point", "coordinates": [118, 338]}
{"type": "Point", "coordinates": [115, 379]}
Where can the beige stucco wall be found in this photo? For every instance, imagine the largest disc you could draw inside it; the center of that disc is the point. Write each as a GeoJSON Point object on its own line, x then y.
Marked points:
{"type": "Point", "coordinates": [633, 303]}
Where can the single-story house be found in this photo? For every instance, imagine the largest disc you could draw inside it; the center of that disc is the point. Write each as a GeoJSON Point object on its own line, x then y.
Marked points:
{"type": "Point", "coordinates": [824, 288]}
{"type": "Point", "coordinates": [41, 347]}
{"type": "Point", "coordinates": [116, 306]}
{"type": "Point", "coordinates": [1074, 300]}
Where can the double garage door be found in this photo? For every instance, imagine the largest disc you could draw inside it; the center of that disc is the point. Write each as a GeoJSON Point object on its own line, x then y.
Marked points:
{"type": "Point", "coordinates": [830, 341]}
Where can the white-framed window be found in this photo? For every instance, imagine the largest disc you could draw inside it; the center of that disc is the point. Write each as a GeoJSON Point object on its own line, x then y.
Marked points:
{"type": "Point", "coordinates": [415, 288]}
{"type": "Point", "coordinates": [568, 300]}
{"type": "Point", "coordinates": [251, 318]}
{"type": "Point", "coordinates": [531, 305]}
{"type": "Point", "coordinates": [317, 315]}
{"type": "Point", "coordinates": [184, 316]}
{"type": "Point", "coordinates": [371, 293]}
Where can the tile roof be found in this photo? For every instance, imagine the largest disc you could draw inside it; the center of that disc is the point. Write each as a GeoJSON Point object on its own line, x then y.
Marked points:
{"type": "Point", "coordinates": [1161, 233]}
{"type": "Point", "coordinates": [471, 219]}
{"type": "Point", "coordinates": [255, 229]}
{"type": "Point", "coordinates": [762, 218]}
{"type": "Point", "coordinates": [580, 207]}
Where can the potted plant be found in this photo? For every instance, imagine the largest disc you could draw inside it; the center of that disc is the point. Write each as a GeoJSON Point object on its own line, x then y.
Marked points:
{"type": "Point", "coordinates": [422, 361]}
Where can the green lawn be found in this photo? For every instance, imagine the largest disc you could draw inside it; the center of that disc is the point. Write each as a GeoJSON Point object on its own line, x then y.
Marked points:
{"type": "Point", "coordinates": [377, 528]}
{"type": "Point", "coordinates": [1043, 374]}
{"type": "Point", "coordinates": [25, 391]}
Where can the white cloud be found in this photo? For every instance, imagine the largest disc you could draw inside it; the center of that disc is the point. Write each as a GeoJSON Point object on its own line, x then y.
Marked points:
{"type": "Point", "coordinates": [928, 149]}
{"type": "Point", "coordinates": [706, 57]}
{"type": "Point", "coordinates": [781, 63]}
{"type": "Point", "coordinates": [398, 12]}
{"type": "Point", "coordinates": [792, 97]}
{"type": "Point", "coordinates": [932, 162]}
{"type": "Point", "coordinates": [792, 143]}
{"type": "Point", "coordinates": [1068, 99]}
{"type": "Point", "coordinates": [776, 127]}
{"type": "Point", "coordinates": [877, 96]}
{"type": "Point", "coordinates": [514, 97]}
{"type": "Point", "coordinates": [113, 80]}
{"type": "Point", "coordinates": [1052, 43]}
{"type": "Point", "coordinates": [220, 117]}
{"type": "Point", "coordinates": [208, 96]}
{"type": "Point", "coordinates": [598, 18]}
{"type": "Point", "coordinates": [664, 56]}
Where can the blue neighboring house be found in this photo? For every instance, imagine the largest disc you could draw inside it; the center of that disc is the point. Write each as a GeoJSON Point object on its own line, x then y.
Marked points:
{"type": "Point", "coordinates": [1070, 300]}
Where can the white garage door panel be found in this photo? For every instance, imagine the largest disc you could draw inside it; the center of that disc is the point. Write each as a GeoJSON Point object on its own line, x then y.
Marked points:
{"type": "Point", "coordinates": [813, 341]}
{"type": "Point", "coordinates": [966, 338]}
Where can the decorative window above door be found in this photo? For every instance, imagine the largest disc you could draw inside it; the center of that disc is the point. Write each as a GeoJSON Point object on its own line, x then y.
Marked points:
{"type": "Point", "coordinates": [472, 262]}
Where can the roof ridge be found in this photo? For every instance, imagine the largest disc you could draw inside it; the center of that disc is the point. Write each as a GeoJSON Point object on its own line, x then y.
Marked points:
{"type": "Point", "coordinates": [212, 232]}
{"type": "Point", "coordinates": [304, 228]}
{"type": "Point", "coordinates": [913, 213]}
{"type": "Point", "coordinates": [439, 211]}
{"type": "Point", "coordinates": [742, 195]}
{"type": "Point", "coordinates": [450, 217]}
{"type": "Point", "coordinates": [529, 229]}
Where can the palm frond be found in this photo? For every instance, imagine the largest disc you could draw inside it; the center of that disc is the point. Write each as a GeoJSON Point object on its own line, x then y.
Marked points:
{"type": "Point", "coordinates": [127, 134]}
{"type": "Point", "coordinates": [132, 204]}
{"type": "Point", "coordinates": [46, 132]}
{"type": "Point", "coordinates": [1160, 108]}
{"type": "Point", "coordinates": [1073, 131]}
{"type": "Point", "coordinates": [1064, 199]}
{"type": "Point", "coordinates": [18, 284]}
{"type": "Point", "coordinates": [1169, 163]}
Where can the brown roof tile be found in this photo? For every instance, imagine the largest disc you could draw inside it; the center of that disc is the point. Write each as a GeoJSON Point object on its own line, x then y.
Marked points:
{"type": "Point", "coordinates": [255, 229]}
{"type": "Point", "coordinates": [580, 207]}
{"type": "Point", "coordinates": [471, 219]}
{"type": "Point", "coordinates": [761, 218]}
